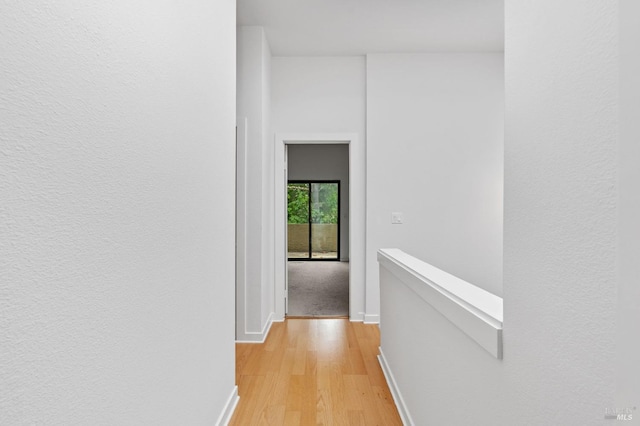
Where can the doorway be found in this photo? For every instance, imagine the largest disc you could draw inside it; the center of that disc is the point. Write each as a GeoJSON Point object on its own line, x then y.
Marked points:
{"type": "Point", "coordinates": [317, 190]}
{"type": "Point", "coordinates": [352, 214]}
{"type": "Point", "coordinates": [313, 220]}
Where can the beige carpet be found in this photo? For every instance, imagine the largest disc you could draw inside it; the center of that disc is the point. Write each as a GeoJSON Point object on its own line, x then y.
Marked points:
{"type": "Point", "coordinates": [318, 288]}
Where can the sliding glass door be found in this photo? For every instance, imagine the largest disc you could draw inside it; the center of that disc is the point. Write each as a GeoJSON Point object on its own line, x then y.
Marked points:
{"type": "Point", "coordinates": [324, 235]}
{"type": "Point", "coordinates": [313, 228]}
{"type": "Point", "coordinates": [298, 220]}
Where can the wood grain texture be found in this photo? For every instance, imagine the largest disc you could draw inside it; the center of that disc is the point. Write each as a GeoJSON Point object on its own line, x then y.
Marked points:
{"type": "Point", "coordinates": [313, 372]}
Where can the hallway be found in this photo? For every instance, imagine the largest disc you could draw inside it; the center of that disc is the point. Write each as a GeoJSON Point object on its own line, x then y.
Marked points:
{"type": "Point", "coordinates": [313, 372]}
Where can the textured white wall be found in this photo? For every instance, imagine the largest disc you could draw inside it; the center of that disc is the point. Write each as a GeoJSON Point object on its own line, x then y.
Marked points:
{"type": "Point", "coordinates": [435, 153]}
{"type": "Point", "coordinates": [325, 162]}
{"type": "Point", "coordinates": [628, 320]}
{"type": "Point", "coordinates": [560, 209]}
{"type": "Point", "coordinates": [116, 247]}
{"type": "Point", "coordinates": [253, 88]}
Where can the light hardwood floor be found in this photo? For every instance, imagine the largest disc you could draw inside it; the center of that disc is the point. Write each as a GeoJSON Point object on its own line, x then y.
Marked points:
{"type": "Point", "coordinates": [313, 372]}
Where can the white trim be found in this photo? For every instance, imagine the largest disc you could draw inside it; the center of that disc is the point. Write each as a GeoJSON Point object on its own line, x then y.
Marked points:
{"type": "Point", "coordinates": [258, 336]}
{"type": "Point", "coordinates": [473, 310]}
{"type": "Point", "coordinates": [357, 215]}
{"type": "Point", "coordinates": [395, 391]}
{"type": "Point", "coordinates": [241, 225]}
{"type": "Point", "coordinates": [359, 317]}
{"type": "Point", "coordinates": [229, 408]}
{"type": "Point", "coordinates": [371, 319]}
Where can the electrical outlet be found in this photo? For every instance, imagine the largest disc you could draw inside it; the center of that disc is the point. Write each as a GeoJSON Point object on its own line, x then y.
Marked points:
{"type": "Point", "coordinates": [396, 218]}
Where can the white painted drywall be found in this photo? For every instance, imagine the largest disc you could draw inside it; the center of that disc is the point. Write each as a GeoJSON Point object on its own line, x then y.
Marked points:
{"type": "Point", "coordinates": [560, 209]}
{"type": "Point", "coordinates": [326, 95]}
{"type": "Point", "coordinates": [325, 162]}
{"type": "Point", "coordinates": [268, 295]}
{"type": "Point", "coordinates": [444, 376]}
{"type": "Point", "coordinates": [628, 320]}
{"type": "Point", "coordinates": [563, 214]}
{"type": "Point", "coordinates": [435, 154]}
{"type": "Point", "coordinates": [255, 294]}
{"type": "Point", "coordinates": [116, 220]}
{"type": "Point", "coordinates": [318, 94]}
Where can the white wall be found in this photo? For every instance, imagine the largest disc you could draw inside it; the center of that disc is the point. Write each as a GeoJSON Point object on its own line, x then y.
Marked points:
{"type": "Point", "coordinates": [560, 209]}
{"type": "Point", "coordinates": [326, 95]}
{"type": "Point", "coordinates": [570, 238]}
{"type": "Point", "coordinates": [444, 376]}
{"type": "Point", "coordinates": [255, 294]}
{"type": "Point", "coordinates": [318, 95]}
{"type": "Point", "coordinates": [116, 257]}
{"type": "Point", "coordinates": [325, 162]}
{"type": "Point", "coordinates": [628, 319]}
{"type": "Point", "coordinates": [435, 153]}
{"type": "Point", "coordinates": [268, 305]}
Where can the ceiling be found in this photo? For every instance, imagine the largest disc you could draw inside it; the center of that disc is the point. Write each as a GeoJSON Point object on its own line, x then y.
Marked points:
{"type": "Point", "coordinates": [357, 27]}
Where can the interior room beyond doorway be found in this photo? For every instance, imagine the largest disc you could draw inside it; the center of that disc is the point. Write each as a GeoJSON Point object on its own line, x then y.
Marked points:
{"type": "Point", "coordinates": [317, 230]}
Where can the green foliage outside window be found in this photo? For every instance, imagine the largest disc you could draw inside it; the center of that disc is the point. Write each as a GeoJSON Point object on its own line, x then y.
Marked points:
{"type": "Point", "coordinates": [298, 203]}
{"type": "Point", "coordinates": [324, 203]}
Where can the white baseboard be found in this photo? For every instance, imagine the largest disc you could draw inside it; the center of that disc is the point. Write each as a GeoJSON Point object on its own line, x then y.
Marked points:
{"type": "Point", "coordinates": [371, 319]}
{"type": "Point", "coordinates": [257, 336]}
{"type": "Point", "coordinates": [395, 392]}
{"type": "Point", "coordinates": [359, 317]}
{"type": "Point", "coordinates": [229, 408]}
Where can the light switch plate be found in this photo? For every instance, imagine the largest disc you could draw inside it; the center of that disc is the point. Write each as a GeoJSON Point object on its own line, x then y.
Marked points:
{"type": "Point", "coordinates": [396, 218]}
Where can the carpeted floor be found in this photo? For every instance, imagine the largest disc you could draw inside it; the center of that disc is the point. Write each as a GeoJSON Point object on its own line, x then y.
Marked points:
{"type": "Point", "coordinates": [318, 288]}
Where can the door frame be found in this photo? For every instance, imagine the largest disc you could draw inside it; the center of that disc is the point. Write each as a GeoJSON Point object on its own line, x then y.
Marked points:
{"type": "Point", "coordinates": [357, 216]}
{"type": "Point", "coordinates": [310, 257]}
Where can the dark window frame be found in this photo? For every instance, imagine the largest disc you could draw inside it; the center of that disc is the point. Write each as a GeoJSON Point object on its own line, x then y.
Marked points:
{"type": "Point", "coordinates": [310, 256]}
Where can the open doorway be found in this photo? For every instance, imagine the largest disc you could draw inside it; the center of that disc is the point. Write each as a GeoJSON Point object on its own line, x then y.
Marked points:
{"type": "Point", "coordinates": [317, 230]}
{"type": "Point", "coordinates": [352, 212]}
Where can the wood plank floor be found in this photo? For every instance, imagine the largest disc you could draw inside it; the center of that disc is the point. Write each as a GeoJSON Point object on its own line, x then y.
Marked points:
{"type": "Point", "coordinates": [313, 372]}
